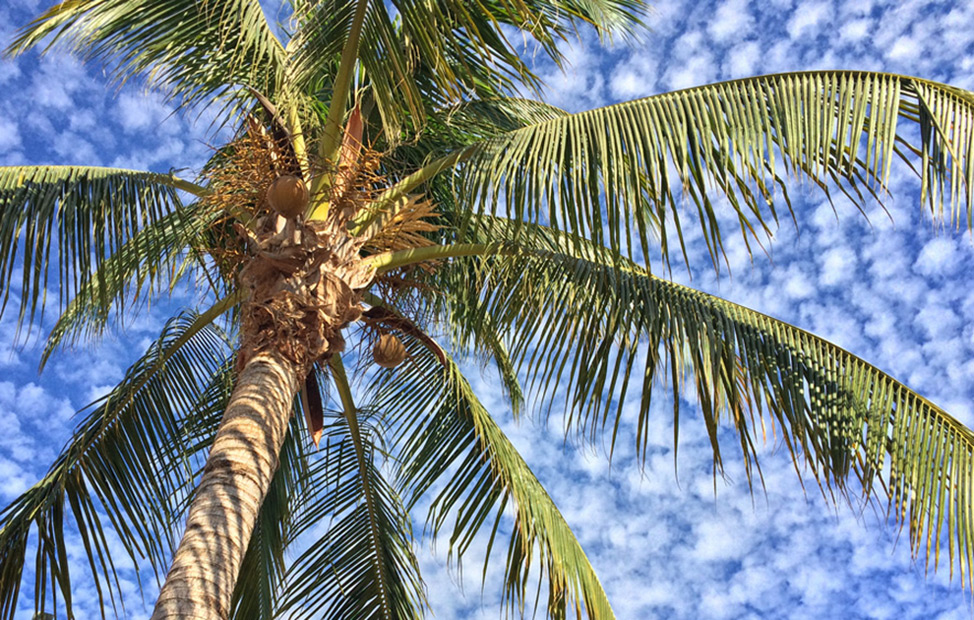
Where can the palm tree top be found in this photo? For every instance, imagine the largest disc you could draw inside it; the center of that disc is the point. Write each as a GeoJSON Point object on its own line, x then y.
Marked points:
{"type": "Point", "coordinates": [890, 293]}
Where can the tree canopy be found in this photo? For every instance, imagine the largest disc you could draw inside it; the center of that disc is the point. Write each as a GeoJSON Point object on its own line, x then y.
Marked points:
{"type": "Point", "coordinates": [544, 230]}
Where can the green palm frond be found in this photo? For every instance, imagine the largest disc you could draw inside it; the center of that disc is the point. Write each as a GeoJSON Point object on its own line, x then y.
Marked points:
{"type": "Point", "coordinates": [453, 128]}
{"type": "Point", "coordinates": [614, 174]}
{"type": "Point", "coordinates": [362, 565]}
{"type": "Point", "coordinates": [586, 325]}
{"type": "Point", "coordinates": [318, 44]}
{"type": "Point", "coordinates": [153, 258]}
{"type": "Point", "coordinates": [488, 118]}
{"type": "Point", "coordinates": [79, 214]}
{"type": "Point", "coordinates": [457, 42]}
{"type": "Point", "coordinates": [446, 437]}
{"type": "Point", "coordinates": [433, 55]}
{"type": "Point", "coordinates": [191, 50]}
{"type": "Point", "coordinates": [129, 452]}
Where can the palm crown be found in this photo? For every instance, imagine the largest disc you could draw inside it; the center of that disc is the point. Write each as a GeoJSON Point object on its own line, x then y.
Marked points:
{"type": "Point", "coordinates": [441, 203]}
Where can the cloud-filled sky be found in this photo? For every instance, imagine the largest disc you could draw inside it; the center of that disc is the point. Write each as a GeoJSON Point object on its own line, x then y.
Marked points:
{"type": "Point", "coordinates": [893, 288]}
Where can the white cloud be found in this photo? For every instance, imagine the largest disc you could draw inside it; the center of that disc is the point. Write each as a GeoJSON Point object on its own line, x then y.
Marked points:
{"type": "Point", "coordinates": [634, 77]}
{"type": "Point", "coordinates": [14, 480]}
{"type": "Point", "coordinates": [939, 256]}
{"type": "Point", "coordinates": [808, 19]}
{"type": "Point", "coordinates": [731, 22]}
{"type": "Point", "coordinates": [855, 30]}
{"type": "Point", "coordinates": [694, 71]}
{"type": "Point", "coordinates": [60, 78]}
{"type": "Point", "coordinates": [71, 146]}
{"type": "Point", "coordinates": [9, 135]}
{"type": "Point", "coordinates": [8, 71]}
{"type": "Point", "coordinates": [838, 266]}
{"type": "Point", "coordinates": [905, 47]}
{"type": "Point", "coordinates": [938, 321]}
{"type": "Point", "coordinates": [142, 112]}
{"type": "Point", "coordinates": [743, 60]}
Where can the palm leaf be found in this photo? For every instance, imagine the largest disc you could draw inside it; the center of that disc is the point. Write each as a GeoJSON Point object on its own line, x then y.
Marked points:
{"type": "Point", "coordinates": [129, 453]}
{"type": "Point", "coordinates": [612, 174]}
{"type": "Point", "coordinates": [191, 50]}
{"type": "Point", "coordinates": [85, 213]}
{"type": "Point", "coordinates": [433, 55]}
{"type": "Point", "coordinates": [153, 258]}
{"type": "Point", "coordinates": [363, 565]}
{"type": "Point", "coordinates": [445, 436]}
{"type": "Point", "coordinates": [585, 319]}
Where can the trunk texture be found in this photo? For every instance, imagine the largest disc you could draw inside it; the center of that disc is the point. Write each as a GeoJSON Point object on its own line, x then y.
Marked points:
{"type": "Point", "coordinates": [238, 472]}
{"type": "Point", "coordinates": [301, 282]}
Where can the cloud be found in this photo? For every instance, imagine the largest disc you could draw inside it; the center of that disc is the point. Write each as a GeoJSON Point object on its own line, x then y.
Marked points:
{"type": "Point", "coordinates": [9, 135]}
{"type": "Point", "coordinates": [856, 30]}
{"type": "Point", "coordinates": [59, 79]}
{"type": "Point", "coordinates": [939, 257]}
{"type": "Point", "coordinates": [743, 60]}
{"type": "Point", "coordinates": [808, 19]}
{"type": "Point", "coordinates": [731, 22]}
{"type": "Point", "coordinates": [141, 112]}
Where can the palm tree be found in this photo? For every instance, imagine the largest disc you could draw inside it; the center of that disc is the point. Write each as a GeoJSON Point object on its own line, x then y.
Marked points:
{"type": "Point", "coordinates": [385, 183]}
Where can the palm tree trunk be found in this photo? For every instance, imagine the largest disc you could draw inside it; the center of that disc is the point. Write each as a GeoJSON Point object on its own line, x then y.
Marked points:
{"type": "Point", "coordinates": [238, 472]}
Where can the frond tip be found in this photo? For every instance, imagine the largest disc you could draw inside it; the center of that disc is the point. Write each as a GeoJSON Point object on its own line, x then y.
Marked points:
{"type": "Point", "coordinates": [447, 437]}
{"type": "Point", "coordinates": [616, 174]}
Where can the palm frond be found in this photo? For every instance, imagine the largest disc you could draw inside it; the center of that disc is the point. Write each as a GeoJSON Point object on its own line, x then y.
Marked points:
{"type": "Point", "coordinates": [447, 438]}
{"type": "Point", "coordinates": [192, 51]}
{"type": "Point", "coordinates": [127, 459]}
{"type": "Point", "coordinates": [583, 319]}
{"type": "Point", "coordinates": [456, 43]}
{"type": "Point", "coordinates": [413, 164]}
{"type": "Point", "coordinates": [435, 55]}
{"type": "Point", "coordinates": [614, 174]}
{"type": "Point", "coordinates": [362, 565]}
{"type": "Point", "coordinates": [488, 118]}
{"type": "Point", "coordinates": [80, 214]}
{"type": "Point", "coordinates": [152, 259]}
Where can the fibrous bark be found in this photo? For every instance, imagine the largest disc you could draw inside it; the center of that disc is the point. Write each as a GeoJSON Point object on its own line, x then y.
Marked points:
{"type": "Point", "coordinates": [302, 283]}
{"type": "Point", "coordinates": [238, 472]}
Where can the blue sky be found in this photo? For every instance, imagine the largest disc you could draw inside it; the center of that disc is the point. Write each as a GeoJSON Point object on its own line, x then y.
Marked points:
{"type": "Point", "coordinates": [894, 290]}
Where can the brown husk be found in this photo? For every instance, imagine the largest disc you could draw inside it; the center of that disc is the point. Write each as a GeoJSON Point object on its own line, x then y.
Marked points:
{"type": "Point", "coordinates": [389, 351]}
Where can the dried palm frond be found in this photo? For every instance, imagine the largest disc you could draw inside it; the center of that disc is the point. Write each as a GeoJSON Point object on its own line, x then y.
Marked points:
{"type": "Point", "coordinates": [356, 182]}
{"type": "Point", "coordinates": [406, 229]}
{"type": "Point", "coordinates": [240, 175]}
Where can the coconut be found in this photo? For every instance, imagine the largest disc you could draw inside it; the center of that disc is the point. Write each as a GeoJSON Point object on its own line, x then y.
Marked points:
{"type": "Point", "coordinates": [389, 352]}
{"type": "Point", "coordinates": [288, 196]}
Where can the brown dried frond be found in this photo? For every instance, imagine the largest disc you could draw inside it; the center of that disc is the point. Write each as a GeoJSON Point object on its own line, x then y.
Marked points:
{"type": "Point", "coordinates": [406, 229]}
{"type": "Point", "coordinates": [357, 184]}
{"type": "Point", "coordinates": [239, 176]}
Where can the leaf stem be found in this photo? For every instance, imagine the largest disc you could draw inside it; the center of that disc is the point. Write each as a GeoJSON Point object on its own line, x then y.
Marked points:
{"type": "Point", "coordinates": [392, 260]}
{"type": "Point", "coordinates": [331, 138]}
